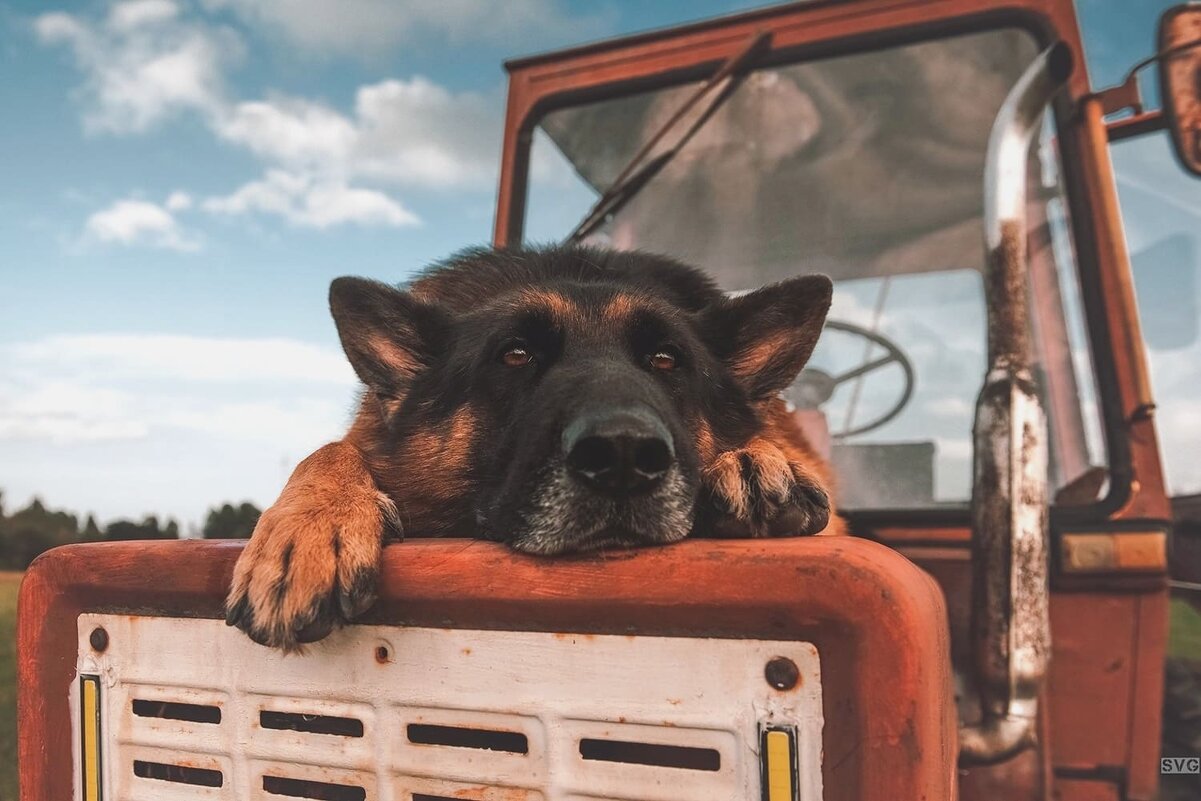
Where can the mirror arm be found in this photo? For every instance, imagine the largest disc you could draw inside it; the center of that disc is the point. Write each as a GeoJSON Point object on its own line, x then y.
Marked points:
{"type": "Point", "coordinates": [1127, 95]}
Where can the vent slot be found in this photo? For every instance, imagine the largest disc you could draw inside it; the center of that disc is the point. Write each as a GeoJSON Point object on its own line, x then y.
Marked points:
{"type": "Point", "coordinates": [174, 710]}
{"type": "Point", "coordinates": [459, 737]}
{"type": "Point", "coordinates": [311, 724]}
{"type": "Point", "coordinates": [305, 788]}
{"type": "Point", "coordinates": [654, 754]}
{"type": "Point", "coordinates": [179, 774]}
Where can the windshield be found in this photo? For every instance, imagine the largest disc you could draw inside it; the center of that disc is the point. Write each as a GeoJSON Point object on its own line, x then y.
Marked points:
{"type": "Point", "coordinates": [1162, 217]}
{"type": "Point", "coordinates": [868, 168]}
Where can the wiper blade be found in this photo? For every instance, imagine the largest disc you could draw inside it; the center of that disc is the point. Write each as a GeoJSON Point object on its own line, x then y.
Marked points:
{"type": "Point", "coordinates": [636, 174]}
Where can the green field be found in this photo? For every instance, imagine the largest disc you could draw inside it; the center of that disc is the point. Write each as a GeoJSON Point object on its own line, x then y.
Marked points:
{"type": "Point", "coordinates": [9, 582]}
{"type": "Point", "coordinates": [1184, 639]}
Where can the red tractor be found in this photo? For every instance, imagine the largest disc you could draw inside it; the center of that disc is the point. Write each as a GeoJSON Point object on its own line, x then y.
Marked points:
{"type": "Point", "coordinates": [997, 627]}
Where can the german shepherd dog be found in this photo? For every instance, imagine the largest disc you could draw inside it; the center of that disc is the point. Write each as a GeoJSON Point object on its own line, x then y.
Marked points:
{"type": "Point", "coordinates": [558, 400]}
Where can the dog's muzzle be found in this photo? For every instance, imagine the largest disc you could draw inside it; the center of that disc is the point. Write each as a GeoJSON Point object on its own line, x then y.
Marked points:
{"type": "Point", "coordinates": [620, 452]}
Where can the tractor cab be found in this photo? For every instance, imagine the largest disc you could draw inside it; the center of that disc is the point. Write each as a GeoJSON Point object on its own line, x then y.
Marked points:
{"type": "Point", "coordinates": [981, 387]}
{"type": "Point", "coordinates": [996, 627]}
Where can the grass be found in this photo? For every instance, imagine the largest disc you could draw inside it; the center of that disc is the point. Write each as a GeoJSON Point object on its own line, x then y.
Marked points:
{"type": "Point", "coordinates": [9, 582]}
{"type": "Point", "coordinates": [1184, 636]}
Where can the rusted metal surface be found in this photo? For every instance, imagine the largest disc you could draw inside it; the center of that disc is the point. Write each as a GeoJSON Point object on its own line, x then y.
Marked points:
{"type": "Point", "coordinates": [1010, 622]}
{"type": "Point", "coordinates": [1180, 81]}
{"type": "Point", "coordinates": [877, 621]}
{"type": "Point", "coordinates": [1136, 125]}
{"type": "Point", "coordinates": [1102, 700]}
{"type": "Point", "coordinates": [1136, 473]}
{"type": "Point", "coordinates": [1130, 552]}
{"type": "Point", "coordinates": [1136, 490]}
{"type": "Point", "coordinates": [542, 715]}
{"type": "Point", "coordinates": [1076, 790]}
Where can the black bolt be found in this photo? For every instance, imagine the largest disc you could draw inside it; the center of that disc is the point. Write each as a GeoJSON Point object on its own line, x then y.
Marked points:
{"type": "Point", "coordinates": [99, 639]}
{"type": "Point", "coordinates": [782, 673]}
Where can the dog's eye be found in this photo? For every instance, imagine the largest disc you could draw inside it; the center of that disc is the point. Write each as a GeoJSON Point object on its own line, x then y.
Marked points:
{"type": "Point", "coordinates": [663, 360]}
{"type": "Point", "coordinates": [516, 356]}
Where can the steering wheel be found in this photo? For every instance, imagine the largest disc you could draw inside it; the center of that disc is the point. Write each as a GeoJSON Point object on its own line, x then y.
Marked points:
{"type": "Point", "coordinates": [814, 387]}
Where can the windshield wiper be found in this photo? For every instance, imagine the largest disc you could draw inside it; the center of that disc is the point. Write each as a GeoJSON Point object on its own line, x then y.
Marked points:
{"type": "Point", "coordinates": [636, 173]}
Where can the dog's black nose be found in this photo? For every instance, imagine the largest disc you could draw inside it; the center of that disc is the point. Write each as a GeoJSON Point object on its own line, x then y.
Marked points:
{"type": "Point", "coordinates": [623, 451]}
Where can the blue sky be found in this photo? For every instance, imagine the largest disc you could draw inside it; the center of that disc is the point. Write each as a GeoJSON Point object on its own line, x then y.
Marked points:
{"type": "Point", "coordinates": [183, 179]}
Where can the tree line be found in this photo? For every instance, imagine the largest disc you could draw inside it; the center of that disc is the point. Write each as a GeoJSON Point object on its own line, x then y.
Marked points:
{"type": "Point", "coordinates": [28, 532]}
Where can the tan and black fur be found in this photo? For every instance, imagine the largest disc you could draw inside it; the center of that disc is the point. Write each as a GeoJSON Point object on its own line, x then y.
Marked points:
{"type": "Point", "coordinates": [558, 400]}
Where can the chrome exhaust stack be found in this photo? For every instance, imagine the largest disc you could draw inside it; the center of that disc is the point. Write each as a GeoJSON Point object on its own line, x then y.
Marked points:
{"type": "Point", "coordinates": [1011, 637]}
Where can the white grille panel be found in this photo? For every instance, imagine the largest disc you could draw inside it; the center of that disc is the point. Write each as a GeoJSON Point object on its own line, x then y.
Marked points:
{"type": "Point", "coordinates": [413, 714]}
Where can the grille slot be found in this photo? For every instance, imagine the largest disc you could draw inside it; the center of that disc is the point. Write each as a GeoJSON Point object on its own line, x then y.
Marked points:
{"type": "Point", "coordinates": [311, 724]}
{"type": "Point", "coordinates": [653, 754]}
{"type": "Point", "coordinates": [307, 788]}
{"type": "Point", "coordinates": [178, 774]}
{"type": "Point", "coordinates": [463, 737]}
{"type": "Point", "coordinates": [174, 710]}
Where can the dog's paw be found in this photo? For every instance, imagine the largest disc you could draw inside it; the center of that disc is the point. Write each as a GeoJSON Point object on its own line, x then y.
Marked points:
{"type": "Point", "coordinates": [763, 494]}
{"type": "Point", "coordinates": [310, 566]}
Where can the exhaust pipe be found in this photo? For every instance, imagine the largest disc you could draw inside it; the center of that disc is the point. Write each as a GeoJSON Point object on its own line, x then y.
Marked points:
{"type": "Point", "coordinates": [1011, 629]}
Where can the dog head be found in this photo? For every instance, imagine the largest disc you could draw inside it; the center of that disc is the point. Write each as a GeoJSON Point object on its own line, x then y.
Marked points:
{"type": "Point", "coordinates": [572, 404]}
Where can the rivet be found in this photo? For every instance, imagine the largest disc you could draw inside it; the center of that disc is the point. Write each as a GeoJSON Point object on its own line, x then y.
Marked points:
{"type": "Point", "coordinates": [782, 673]}
{"type": "Point", "coordinates": [98, 639]}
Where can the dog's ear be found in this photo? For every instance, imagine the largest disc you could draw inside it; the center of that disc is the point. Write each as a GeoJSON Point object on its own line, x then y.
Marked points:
{"type": "Point", "coordinates": [388, 335]}
{"type": "Point", "coordinates": [766, 336]}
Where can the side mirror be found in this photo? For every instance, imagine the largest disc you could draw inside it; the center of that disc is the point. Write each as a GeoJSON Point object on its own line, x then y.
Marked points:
{"type": "Point", "coordinates": [1180, 80]}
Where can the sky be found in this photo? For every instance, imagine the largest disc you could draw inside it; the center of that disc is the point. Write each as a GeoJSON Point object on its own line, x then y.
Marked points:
{"type": "Point", "coordinates": [181, 181]}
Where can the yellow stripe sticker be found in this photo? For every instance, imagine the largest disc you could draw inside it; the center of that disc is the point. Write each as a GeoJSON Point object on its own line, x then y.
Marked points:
{"type": "Point", "coordinates": [779, 765]}
{"type": "Point", "coordinates": [89, 696]}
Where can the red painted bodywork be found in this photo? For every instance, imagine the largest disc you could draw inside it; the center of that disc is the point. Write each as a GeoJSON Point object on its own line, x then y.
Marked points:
{"type": "Point", "coordinates": [877, 621]}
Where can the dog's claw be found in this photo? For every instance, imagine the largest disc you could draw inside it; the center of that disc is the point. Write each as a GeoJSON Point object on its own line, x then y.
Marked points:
{"type": "Point", "coordinates": [765, 494]}
{"type": "Point", "coordinates": [310, 567]}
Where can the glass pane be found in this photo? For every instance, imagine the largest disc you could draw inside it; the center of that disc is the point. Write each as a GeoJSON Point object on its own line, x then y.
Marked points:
{"type": "Point", "coordinates": [867, 168]}
{"type": "Point", "coordinates": [1161, 210]}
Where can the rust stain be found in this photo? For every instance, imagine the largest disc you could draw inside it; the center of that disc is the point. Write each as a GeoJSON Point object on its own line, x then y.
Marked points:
{"type": "Point", "coordinates": [489, 793]}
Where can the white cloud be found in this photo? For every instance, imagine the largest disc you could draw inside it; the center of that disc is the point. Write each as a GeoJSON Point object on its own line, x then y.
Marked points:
{"type": "Point", "coordinates": [313, 202]}
{"type": "Point", "coordinates": [136, 13]}
{"type": "Point", "coordinates": [60, 411]}
{"type": "Point", "coordinates": [106, 387]}
{"type": "Point", "coordinates": [355, 27]}
{"type": "Point", "coordinates": [178, 201]}
{"type": "Point", "coordinates": [147, 61]}
{"type": "Point", "coordinates": [180, 358]}
{"type": "Point", "coordinates": [289, 130]}
{"type": "Point", "coordinates": [408, 132]}
{"type": "Point", "coordinates": [417, 132]}
{"type": "Point", "coordinates": [143, 63]}
{"type": "Point", "coordinates": [957, 408]}
{"type": "Point", "coordinates": [139, 222]}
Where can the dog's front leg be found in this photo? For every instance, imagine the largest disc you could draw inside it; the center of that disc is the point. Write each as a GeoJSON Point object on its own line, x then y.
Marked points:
{"type": "Point", "coordinates": [313, 560]}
